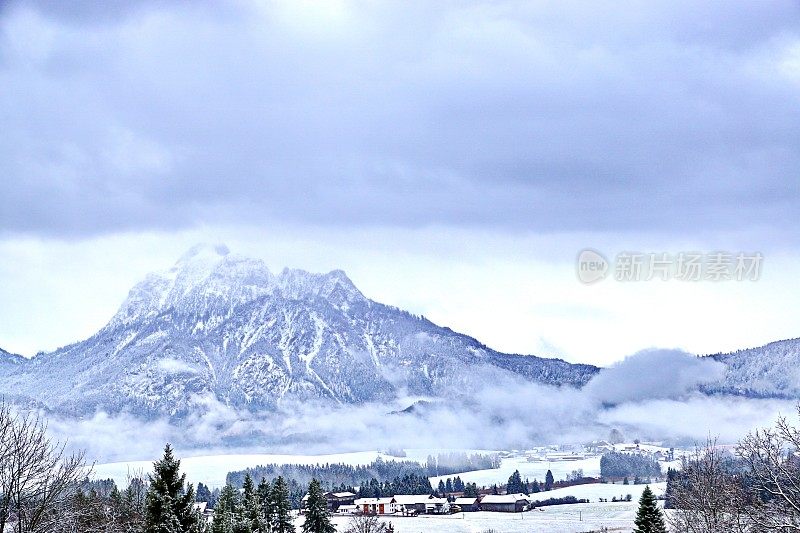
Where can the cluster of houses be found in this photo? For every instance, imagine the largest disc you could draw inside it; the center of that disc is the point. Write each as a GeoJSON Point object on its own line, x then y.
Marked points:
{"type": "Point", "coordinates": [413, 505]}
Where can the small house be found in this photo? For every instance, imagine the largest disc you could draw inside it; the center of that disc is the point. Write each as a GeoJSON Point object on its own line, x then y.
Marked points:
{"type": "Point", "coordinates": [467, 504]}
{"type": "Point", "coordinates": [504, 503]}
{"type": "Point", "coordinates": [411, 504]}
{"type": "Point", "coordinates": [376, 505]}
{"type": "Point", "coordinates": [437, 506]}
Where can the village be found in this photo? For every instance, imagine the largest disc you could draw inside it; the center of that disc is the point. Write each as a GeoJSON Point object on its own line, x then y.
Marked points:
{"type": "Point", "coordinates": [413, 504]}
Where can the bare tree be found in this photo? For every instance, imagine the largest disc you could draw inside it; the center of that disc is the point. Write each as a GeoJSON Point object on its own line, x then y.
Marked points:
{"type": "Point", "coordinates": [366, 524]}
{"type": "Point", "coordinates": [37, 476]}
{"type": "Point", "coordinates": [706, 496]}
{"type": "Point", "coordinates": [773, 465]}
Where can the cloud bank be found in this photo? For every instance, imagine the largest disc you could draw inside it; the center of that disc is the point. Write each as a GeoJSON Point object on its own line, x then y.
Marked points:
{"type": "Point", "coordinates": [511, 414]}
{"type": "Point", "coordinates": [501, 115]}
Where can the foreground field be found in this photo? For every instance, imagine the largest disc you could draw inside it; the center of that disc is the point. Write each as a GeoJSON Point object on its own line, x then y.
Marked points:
{"type": "Point", "coordinates": [578, 518]}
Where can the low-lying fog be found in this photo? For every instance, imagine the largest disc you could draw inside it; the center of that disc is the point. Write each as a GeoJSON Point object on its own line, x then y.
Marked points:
{"type": "Point", "coordinates": [651, 395]}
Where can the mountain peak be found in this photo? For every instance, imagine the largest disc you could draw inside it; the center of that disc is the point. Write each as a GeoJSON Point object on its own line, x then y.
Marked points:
{"type": "Point", "coordinates": [204, 252]}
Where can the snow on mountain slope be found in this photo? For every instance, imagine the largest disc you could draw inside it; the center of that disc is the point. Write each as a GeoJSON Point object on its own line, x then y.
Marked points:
{"type": "Point", "coordinates": [221, 327]}
{"type": "Point", "coordinates": [9, 360]}
{"type": "Point", "coordinates": [772, 370]}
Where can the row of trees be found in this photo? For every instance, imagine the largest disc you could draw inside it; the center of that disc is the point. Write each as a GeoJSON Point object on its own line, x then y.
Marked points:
{"type": "Point", "coordinates": [265, 508]}
{"type": "Point", "coordinates": [444, 464]}
{"type": "Point", "coordinates": [516, 485]}
{"type": "Point", "coordinates": [619, 465]}
{"type": "Point", "coordinates": [408, 484]}
{"type": "Point", "coordinates": [330, 475]}
{"type": "Point", "coordinates": [449, 486]}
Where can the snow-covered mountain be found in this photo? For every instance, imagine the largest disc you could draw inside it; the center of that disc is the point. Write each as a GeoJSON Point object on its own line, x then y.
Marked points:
{"type": "Point", "coordinates": [9, 360]}
{"type": "Point", "coordinates": [772, 370]}
{"type": "Point", "coordinates": [217, 326]}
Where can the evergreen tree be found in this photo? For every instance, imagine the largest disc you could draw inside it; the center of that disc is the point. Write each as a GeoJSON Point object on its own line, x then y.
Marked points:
{"type": "Point", "coordinates": [649, 518]}
{"type": "Point", "coordinates": [318, 520]}
{"type": "Point", "coordinates": [169, 506]}
{"type": "Point", "coordinates": [228, 512]}
{"type": "Point", "coordinates": [281, 518]}
{"type": "Point", "coordinates": [471, 490]}
{"type": "Point", "coordinates": [203, 493]}
{"type": "Point", "coordinates": [251, 506]}
{"type": "Point", "coordinates": [515, 484]}
{"type": "Point", "coordinates": [535, 488]}
{"type": "Point", "coordinates": [264, 491]}
{"type": "Point", "coordinates": [548, 481]}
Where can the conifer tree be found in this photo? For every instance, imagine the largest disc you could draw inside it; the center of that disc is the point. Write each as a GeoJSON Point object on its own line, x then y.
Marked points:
{"type": "Point", "coordinates": [318, 520]}
{"type": "Point", "coordinates": [251, 506]}
{"type": "Point", "coordinates": [281, 508]}
{"type": "Point", "coordinates": [548, 481]}
{"type": "Point", "coordinates": [515, 484]}
{"type": "Point", "coordinates": [227, 512]}
{"type": "Point", "coordinates": [169, 506]}
{"type": "Point", "coordinates": [649, 518]}
{"type": "Point", "coordinates": [264, 492]}
{"type": "Point", "coordinates": [471, 490]}
{"type": "Point", "coordinates": [203, 493]}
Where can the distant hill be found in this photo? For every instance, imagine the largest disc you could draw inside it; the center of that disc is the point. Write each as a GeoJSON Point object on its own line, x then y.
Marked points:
{"type": "Point", "coordinates": [772, 371]}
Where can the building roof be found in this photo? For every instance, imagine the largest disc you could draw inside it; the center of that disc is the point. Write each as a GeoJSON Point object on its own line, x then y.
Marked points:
{"type": "Point", "coordinates": [466, 501]}
{"type": "Point", "coordinates": [374, 501]}
{"type": "Point", "coordinates": [340, 495]}
{"type": "Point", "coordinates": [411, 499]}
{"type": "Point", "coordinates": [503, 498]}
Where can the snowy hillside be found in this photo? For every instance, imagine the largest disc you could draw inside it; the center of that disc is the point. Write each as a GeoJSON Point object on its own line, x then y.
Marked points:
{"type": "Point", "coordinates": [221, 327]}
{"type": "Point", "coordinates": [772, 370]}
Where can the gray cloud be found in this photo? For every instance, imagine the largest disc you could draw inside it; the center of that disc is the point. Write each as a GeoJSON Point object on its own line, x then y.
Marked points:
{"type": "Point", "coordinates": [562, 117]}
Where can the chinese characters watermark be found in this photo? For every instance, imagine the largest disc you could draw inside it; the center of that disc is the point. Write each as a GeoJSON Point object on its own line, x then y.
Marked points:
{"type": "Point", "coordinates": [592, 266]}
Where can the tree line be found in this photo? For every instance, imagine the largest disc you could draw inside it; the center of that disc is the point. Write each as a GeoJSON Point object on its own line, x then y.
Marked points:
{"type": "Point", "coordinates": [620, 465]}
{"type": "Point", "coordinates": [330, 475]}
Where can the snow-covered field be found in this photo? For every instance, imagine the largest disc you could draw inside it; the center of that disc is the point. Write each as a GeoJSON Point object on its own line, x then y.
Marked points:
{"type": "Point", "coordinates": [212, 469]}
{"type": "Point", "coordinates": [560, 469]}
{"type": "Point", "coordinates": [595, 491]}
{"type": "Point", "coordinates": [576, 518]}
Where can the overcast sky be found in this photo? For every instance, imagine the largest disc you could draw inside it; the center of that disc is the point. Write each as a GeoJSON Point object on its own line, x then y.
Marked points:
{"type": "Point", "coordinates": [452, 157]}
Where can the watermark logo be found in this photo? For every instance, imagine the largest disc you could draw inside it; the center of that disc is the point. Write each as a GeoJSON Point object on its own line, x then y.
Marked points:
{"type": "Point", "coordinates": [592, 266]}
